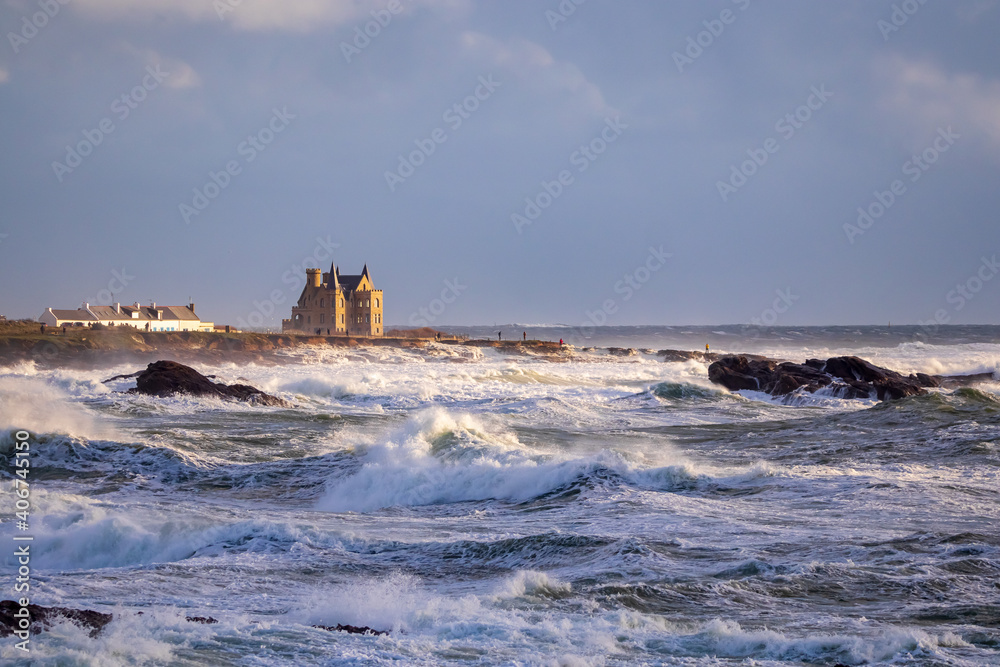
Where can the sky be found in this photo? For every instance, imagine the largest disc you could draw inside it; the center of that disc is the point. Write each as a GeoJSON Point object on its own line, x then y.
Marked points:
{"type": "Point", "coordinates": [564, 162]}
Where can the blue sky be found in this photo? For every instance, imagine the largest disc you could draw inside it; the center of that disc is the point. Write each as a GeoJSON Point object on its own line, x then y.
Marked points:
{"type": "Point", "coordinates": [534, 162]}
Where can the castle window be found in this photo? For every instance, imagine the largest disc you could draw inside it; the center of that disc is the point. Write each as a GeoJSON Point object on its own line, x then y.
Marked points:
{"type": "Point", "coordinates": [366, 319]}
{"type": "Point", "coordinates": [376, 303]}
{"type": "Point", "coordinates": [341, 303]}
{"type": "Point", "coordinates": [321, 305]}
{"type": "Point", "coordinates": [367, 303]}
{"type": "Point", "coordinates": [322, 318]}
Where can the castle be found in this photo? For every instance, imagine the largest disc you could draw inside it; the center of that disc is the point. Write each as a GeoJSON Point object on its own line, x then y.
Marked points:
{"type": "Point", "coordinates": [334, 304]}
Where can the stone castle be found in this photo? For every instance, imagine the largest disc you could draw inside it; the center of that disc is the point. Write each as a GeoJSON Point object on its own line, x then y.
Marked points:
{"type": "Point", "coordinates": [333, 304]}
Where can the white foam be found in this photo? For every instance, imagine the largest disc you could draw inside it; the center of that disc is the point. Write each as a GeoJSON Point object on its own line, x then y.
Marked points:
{"type": "Point", "coordinates": [397, 602]}
{"type": "Point", "coordinates": [438, 457]}
{"type": "Point", "coordinates": [38, 406]}
{"type": "Point", "coordinates": [532, 584]}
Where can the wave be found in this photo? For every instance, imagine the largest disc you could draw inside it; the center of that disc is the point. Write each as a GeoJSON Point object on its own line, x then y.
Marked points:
{"type": "Point", "coordinates": [69, 457]}
{"type": "Point", "coordinates": [79, 533]}
{"type": "Point", "coordinates": [38, 406]}
{"type": "Point", "coordinates": [728, 639]}
{"type": "Point", "coordinates": [685, 390]}
{"type": "Point", "coordinates": [438, 458]}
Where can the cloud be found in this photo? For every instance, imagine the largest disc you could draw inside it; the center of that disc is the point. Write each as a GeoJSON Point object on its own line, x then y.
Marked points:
{"type": "Point", "coordinates": [181, 76]}
{"type": "Point", "coordinates": [4, 75]}
{"type": "Point", "coordinates": [534, 65]}
{"type": "Point", "coordinates": [256, 15]}
{"type": "Point", "coordinates": [922, 96]}
{"type": "Point", "coordinates": [972, 11]}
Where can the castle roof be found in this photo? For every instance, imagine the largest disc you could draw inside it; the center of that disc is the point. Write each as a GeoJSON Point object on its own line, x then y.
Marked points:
{"type": "Point", "coordinates": [349, 283]}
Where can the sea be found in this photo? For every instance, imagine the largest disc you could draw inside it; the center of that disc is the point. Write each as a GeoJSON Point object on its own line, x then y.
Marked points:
{"type": "Point", "coordinates": [488, 506]}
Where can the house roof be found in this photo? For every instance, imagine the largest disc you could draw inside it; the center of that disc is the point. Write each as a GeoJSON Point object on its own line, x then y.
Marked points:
{"type": "Point", "coordinates": [78, 314]}
{"type": "Point", "coordinates": [145, 314]}
{"type": "Point", "coordinates": [108, 313]}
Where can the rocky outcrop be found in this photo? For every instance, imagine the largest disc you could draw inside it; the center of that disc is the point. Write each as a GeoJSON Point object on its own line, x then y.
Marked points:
{"type": "Point", "coordinates": [351, 629]}
{"type": "Point", "coordinates": [166, 378]}
{"type": "Point", "coordinates": [843, 377]}
{"type": "Point", "coordinates": [43, 618]}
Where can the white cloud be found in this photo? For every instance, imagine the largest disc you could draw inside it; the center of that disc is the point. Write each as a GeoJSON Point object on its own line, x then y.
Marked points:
{"type": "Point", "coordinates": [922, 96]}
{"type": "Point", "coordinates": [972, 11]}
{"type": "Point", "coordinates": [181, 75]}
{"type": "Point", "coordinates": [535, 66]}
{"type": "Point", "coordinates": [298, 15]}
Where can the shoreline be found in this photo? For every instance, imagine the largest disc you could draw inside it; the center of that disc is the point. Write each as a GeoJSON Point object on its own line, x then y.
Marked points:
{"type": "Point", "coordinates": [88, 348]}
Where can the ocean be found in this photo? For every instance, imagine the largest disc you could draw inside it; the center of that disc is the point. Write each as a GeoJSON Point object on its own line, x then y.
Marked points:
{"type": "Point", "coordinates": [488, 508]}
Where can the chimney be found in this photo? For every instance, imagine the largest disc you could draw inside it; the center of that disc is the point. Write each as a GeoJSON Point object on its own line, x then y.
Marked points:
{"type": "Point", "coordinates": [118, 308]}
{"type": "Point", "coordinates": [191, 306]}
{"type": "Point", "coordinates": [86, 305]}
{"type": "Point", "coordinates": [153, 304]}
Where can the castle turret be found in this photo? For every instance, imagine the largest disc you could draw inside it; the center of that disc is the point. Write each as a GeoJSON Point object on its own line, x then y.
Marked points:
{"type": "Point", "coordinates": [314, 277]}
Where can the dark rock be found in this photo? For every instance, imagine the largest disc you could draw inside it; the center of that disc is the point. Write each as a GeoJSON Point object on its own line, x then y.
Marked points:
{"type": "Point", "coordinates": [696, 355]}
{"type": "Point", "coordinates": [623, 351]}
{"type": "Point", "coordinates": [351, 629]}
{"type": "Point", "coordinates": [43, 618]}
{"type": "Point", "coordinates": [166, 378]}
{"type": "Point", "coordinates": [845, 377]}
{"type": "Point", "coordinates": [205, 620]}
{"type": "Point", "coordinates": [686, 355]}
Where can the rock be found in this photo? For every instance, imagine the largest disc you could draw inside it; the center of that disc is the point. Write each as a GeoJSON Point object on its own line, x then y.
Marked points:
{"type": "Point", "coordinates": [351, 629]}
{"type": "Point", "coordinates": [204, 620]}
{"type": "Point", "coordinates": [696, 355]}
{"type": "Point", "coordinates": [685, 355]}
{"type": "Point", "coordinates": [845, 377]}
{"type": "Point", "coordinates": [622, 351]}
{"type": "Point", "coordinates": [43, 618]}
{"type": "Point", "coordinates": [166, 378]}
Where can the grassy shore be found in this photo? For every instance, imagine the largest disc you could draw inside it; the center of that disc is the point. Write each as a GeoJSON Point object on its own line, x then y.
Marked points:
{"type": "Point", "coordinates": [84, 347]}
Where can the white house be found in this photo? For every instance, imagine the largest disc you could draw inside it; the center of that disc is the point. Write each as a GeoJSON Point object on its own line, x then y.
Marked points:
{"type": "Point", "coordinates": [147, 318]}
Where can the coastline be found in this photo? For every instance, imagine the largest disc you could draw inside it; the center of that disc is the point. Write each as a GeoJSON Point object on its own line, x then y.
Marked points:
{"type": "Point", "coordinates": [88, 348]}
